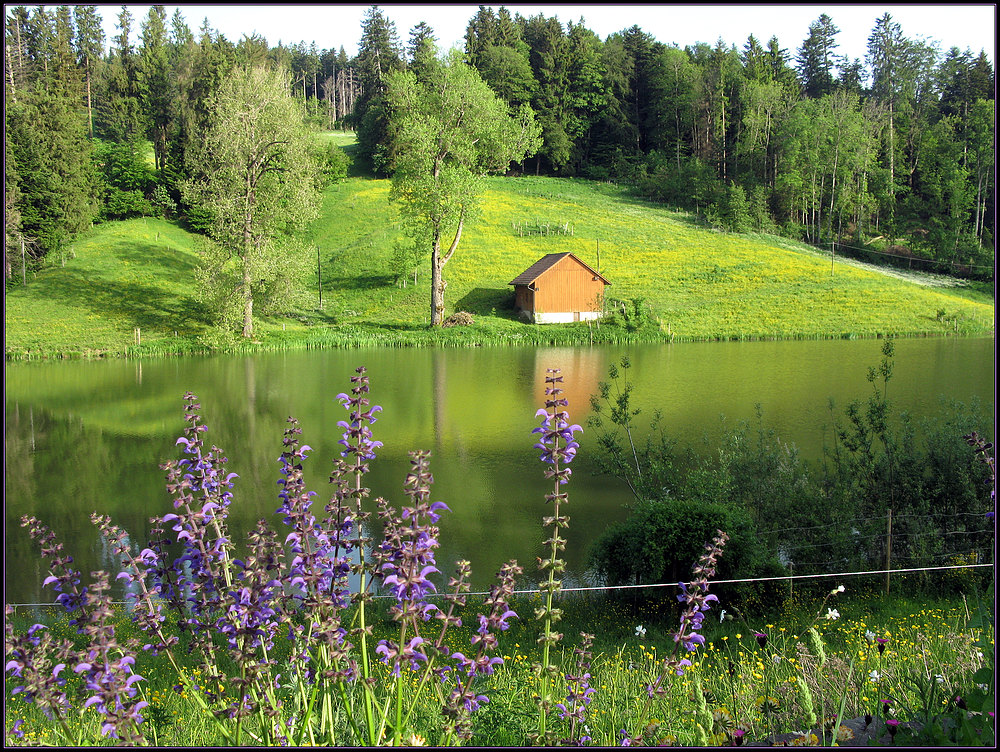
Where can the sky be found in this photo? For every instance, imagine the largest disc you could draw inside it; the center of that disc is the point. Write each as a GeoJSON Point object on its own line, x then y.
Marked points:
{"type": "Point", "coordinates": [332, 26]}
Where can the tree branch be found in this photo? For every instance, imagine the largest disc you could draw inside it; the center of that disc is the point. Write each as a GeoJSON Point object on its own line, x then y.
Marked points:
{"type": "Point", "coordinates": [458, 236]}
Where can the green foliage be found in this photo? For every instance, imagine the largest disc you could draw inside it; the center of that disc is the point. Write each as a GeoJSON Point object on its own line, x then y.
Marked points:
{"type": "Point", "coordinates": [815, 152]}
{"type": "Point", "coordinates": [259, 184]}
{"type": "Point", "coordinates": [163, 202]}
{"type": "Point", "coordinates": [690, 185]}
{"type": "Point", "coordinates": [884, 465]}
{"type": "Point", "coordinates": [648, 469]}
{"type": "Point", "coordinates": [662, 537]}
{"type": "Point", "coordinates": [759, 212]}
{"type": "Point", "coordinates": [968, 718]}
{"type": "Point", "coordinates": [441, 159]}
{"type": "Point", "coordinates": [632, 315]}
{"type": "Point", "coordinates": [379, 54]}
{"type": "Point", "coordinates": [49, 160]}
{"type": "Point", "coordinates": [332, 162]}
{"type": "Point", "coordinates": [129, 180]}
{"type": "Point", "coordinates": [733, 213]}
{"type": "Point", "coordinates": [937, 490]}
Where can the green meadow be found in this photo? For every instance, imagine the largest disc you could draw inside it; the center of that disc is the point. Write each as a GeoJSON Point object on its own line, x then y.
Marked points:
{"type": "Point", "coordinates": [128, 288]}
{"type": "Point", "coordinates": [762, 692]}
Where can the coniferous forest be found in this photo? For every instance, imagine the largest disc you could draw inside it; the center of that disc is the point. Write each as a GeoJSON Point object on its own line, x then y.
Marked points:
{"type": "Point", "coordinates": [896, 148]}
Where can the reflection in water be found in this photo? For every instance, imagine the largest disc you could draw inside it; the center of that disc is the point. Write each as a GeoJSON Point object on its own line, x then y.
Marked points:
{"type": "Point", "coordinates": [90, 436]}
{"type": "Point", "coordinates": [439, 399]}
{"type": "Point", "coordinates": [581, 370]}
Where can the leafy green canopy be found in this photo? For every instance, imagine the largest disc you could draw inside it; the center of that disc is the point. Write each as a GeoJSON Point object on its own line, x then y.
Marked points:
{"type": "Point", "coordinates": [260, 185]}
{"type": "Point", "coordinates": [449, 131]}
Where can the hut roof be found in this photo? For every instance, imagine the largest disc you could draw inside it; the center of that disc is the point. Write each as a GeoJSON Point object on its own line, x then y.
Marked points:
{"type": "Point", "coordinates": [545, 263]}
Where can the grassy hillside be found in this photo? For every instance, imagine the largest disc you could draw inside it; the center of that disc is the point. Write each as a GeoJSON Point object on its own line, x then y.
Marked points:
{"type": "Point", "coordinates": [698, 283]}
{"type": "Point", "coordinates": [695, 283]}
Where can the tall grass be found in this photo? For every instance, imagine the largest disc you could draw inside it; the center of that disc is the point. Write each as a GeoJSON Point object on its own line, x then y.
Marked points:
{"type": "Point", "coordinates": [926, 639]}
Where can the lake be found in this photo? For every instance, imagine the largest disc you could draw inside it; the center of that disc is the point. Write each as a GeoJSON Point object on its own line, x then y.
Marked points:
{"type": "Point", "coordinates": [85, 436]}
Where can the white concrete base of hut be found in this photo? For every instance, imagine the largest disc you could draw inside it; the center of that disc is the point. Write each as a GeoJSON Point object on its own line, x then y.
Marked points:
{"type": "Point", "coordinates": [562, 318]}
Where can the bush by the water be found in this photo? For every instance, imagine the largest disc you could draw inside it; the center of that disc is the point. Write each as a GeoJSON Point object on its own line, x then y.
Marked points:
{"type": "Point", "coordinates": [793, 517]}
{"type": "Point", "coordinates": [661, 537]}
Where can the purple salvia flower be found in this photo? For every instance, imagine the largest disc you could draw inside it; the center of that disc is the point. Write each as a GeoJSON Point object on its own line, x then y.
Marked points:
{"type": "Point", "coordinates": [106, 669]}
{"type": "Point", "coordinates": [37, 660]}
{"type": "Point", "coordinates": [357, 439]}
{"type": "Point", "coordinates": [16, 731]}
{"type": "Point", "coordinates": [313, 569]}
{"type": "Point", "coordinates": [406, 557]}
{"type": "Point", "coordinates": [252, 618]}
{"type": "Point", "coordinates": [463, 700]}
{"type": "Point", "coordinates": [695, 597]}
{"type": "Point", "coordinates": [983, 448]}
{"type": "Point", "coordinates": [63, 579]}
{"type": "Point", "coordinates": [201, 493]}
{"type": "Point", "coordinates": [580, 693]}
{"type": "Point", "coordinates": [558, 450]}
{"type": "Point", "coordinates": [359, 449]}
{"type": "Point", "coordinates": [146, 609]}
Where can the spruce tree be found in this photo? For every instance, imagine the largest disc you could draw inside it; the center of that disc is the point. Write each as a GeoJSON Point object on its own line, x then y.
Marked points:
{"type": "Point", "coordinates": [379, 54]}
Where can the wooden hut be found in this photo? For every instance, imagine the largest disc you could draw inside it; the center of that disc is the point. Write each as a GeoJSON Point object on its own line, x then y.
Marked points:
{"type": "Point", "coordinates": [557, 289]}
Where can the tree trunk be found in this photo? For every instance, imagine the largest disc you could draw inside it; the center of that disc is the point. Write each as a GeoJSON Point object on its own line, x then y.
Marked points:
{"type": "Point", "coordinates": [247, 301]}
{"type": "Point", "coordinates": [247, 280]}
{"type": "Point", "coordinates": [90, 104]}
{"type": "Point", "coordinates": [437, 285]}
{"type": "Point", "coordinates": [10, 71]}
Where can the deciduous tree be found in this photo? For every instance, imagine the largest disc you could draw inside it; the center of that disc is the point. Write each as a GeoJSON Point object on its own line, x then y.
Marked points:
{"type": "Point", "coordinates": [259, 185]}
{"type": "Point", "coordinates": [450, 130]}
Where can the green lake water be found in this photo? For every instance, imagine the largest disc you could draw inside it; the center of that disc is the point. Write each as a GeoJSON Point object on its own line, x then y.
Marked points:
{"type": "Point", "coordinates": [90, 436]}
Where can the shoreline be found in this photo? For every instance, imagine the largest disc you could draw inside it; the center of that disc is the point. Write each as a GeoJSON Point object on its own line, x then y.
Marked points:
{"type": "Point", "coordinates": [426, 337]}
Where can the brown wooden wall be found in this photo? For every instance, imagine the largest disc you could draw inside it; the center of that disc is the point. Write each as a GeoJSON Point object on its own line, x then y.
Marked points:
{"type": "Point", "coordinates": [523, 298]}
{"type": "Point", "coordinates": [567, 286]}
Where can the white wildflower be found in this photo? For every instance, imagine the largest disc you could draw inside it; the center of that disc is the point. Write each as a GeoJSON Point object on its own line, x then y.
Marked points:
{"type": "Point", "coordinates": [838, 589]}
{"type": "Point", "coordinates": [640, 631]}
{"type": "Point", "coordinates": [722, 616]}
{"type": "Point", "coordinates": [870, 636]}
{"type": "Point", "coordinates": [874, 676]}
{"type": "Point", "coordinates": [832, 614]}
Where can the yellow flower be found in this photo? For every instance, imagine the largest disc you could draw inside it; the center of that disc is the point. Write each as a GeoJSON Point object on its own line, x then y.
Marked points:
{"type": "Point", "coordinates": [803, 740]}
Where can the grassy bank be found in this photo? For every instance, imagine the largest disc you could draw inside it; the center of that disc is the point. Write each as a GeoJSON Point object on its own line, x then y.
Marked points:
{"type": "Point", "coordinates": [746, 686]}
{"type": "Point", "coordinates": [127, 288]}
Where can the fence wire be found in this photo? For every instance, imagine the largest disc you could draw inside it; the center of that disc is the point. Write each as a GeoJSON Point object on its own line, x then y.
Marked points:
{"type": "Point", "coordinates": [609, 588]}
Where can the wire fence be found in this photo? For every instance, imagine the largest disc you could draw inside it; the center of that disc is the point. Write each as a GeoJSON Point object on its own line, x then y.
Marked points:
{"type": "Point", "coordinates": [658, 585]}
{"type": "Point", "coordinates": [788, 550]}
{"type": "Point", "coordinates": [951, 268]}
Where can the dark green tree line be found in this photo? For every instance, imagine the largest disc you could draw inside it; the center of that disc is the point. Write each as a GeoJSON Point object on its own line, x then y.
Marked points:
{"type": "Point", "coordinates": [893, 150]}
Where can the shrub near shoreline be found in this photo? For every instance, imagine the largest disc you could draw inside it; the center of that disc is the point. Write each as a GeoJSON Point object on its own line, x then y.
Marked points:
{"type": "Point", "coordinates": [277, 643]}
